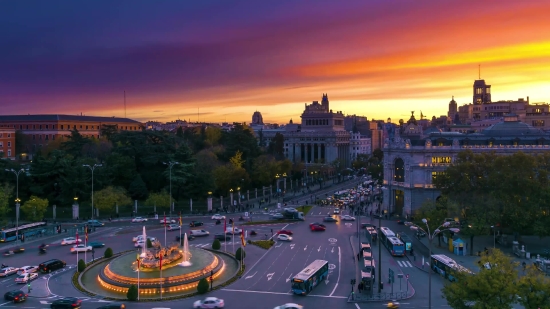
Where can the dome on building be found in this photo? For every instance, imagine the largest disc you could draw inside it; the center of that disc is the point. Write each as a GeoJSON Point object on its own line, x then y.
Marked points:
{"type": "Point", "coordinates": [257, 118]}
{"type": "Point", "coordinates": [511, 126]}
{"type": "Point", "coordinates": [432, 129]}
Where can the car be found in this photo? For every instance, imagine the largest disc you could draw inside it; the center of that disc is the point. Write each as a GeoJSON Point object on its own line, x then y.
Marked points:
{"type": "Point", "coordinates": [209, 302]}
{"type": "Point", "coordinates": [218, 217]}
{"type": "Point", "coordinates": [317, 223]}
{"type": "Point", "coordinates": [365, 225]}
{"type": "Point", "coordinates": [336, 211]}
{"type": "Point", "coordinates": [167, 221]}
{"type": "Point", "coordinates": [347, 218]}
{"type": "Point", "coordinates": [289, 306]}
{"type": "Point", "coordinates": [231, 230]}
{"type": "Point", "coordinates": [317, 227]}
{"type": "Point", "coordinates": [222, 237]}
{"type": "Point", "coordinates": [81, 248]}
{"type": "Point", "coordinates": [284, 237]}
{"type": "Point", "coordinates": [70, 241]}
{"type": "Point", "coordinates": [113, 306]}
{"type": "Point", "coordinates": [142, 243]}
{"type": "Point", "coordinates": [140, 238]}
{"type": "Point", "coordinates": [15, 296]}
{"type": "Point", "coordinates": [96, 244]}
{"type": "Point", "coordinates": [173, 227]}
{"type": "Point", "coordinates": [27, 270]}
{"type": "Point", "coordinates": [26, 277]}
{"type": "Point", "coordinates": [139, 219]}
{"type": "Point", "coordinates": [95, 223]}
{"type": "Point", "coordinates": [290, 209]}
{"type": "Point", "coordinates": [277, 216]}
{"type": "Point", "coordinates": [67, 302]}
{"type": "Point", "coordinates": [329, 219]}
{"type": "Point", "coordinates": [189, 237]}
{"type": "Point", "coordinates": [284, 232]}
{"type": "Point", "coordinates": [198, 233]}
{"type": "Point", "coordinates": [8, 271]}
{"type": "Point", "coordinates": [195, 223]}
{"type": "Point", "coordinates": [51, 265]}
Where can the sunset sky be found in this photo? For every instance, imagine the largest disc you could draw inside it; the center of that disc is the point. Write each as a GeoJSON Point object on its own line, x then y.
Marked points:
{"type": "Point", "coordinates": [230, 58]}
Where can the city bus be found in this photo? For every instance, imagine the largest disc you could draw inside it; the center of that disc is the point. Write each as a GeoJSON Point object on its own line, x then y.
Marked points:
{"type": "Point", "coordinates": [310, 277]}
{"type": "Point", "coordinates": [30, 229]}
{"type": "Point", "coordinates": [389, 239]}
{"type": "Point", "coordinates": [445, 266]}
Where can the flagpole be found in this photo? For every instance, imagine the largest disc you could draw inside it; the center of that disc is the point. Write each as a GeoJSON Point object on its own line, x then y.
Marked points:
{"type": "Point", "coordinates": [233, 230]}
{"type": "Point", "coordinates": [161, 276]}
{"type": "Point", "coordinates": [181, 240]}
{"type": "Point", "coordinates": [225, 234]}
{"type": "Point", "coordinates": [85, 242]}
{"type": "Point", "coordinates": [165, 228]}
{"type": "Point", "coordinates": [138, 270]}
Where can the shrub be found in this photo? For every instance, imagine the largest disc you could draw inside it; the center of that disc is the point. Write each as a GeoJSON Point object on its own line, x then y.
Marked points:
{"type": "Point", "coordinates": [132, 293]}
{"type": "Point", "coordinates": [238, 254]}
{"type": "Point", "coordinates": [216, 245]}
{"type": "Point", "coordinates": [81, 265]}
{"type": "Point", "coordinates": [203, 286]}
{"type": "Point", "coordinates": [108, 253]}
{"type": "Point", "coordinates": [265, 244]}
{"type": "Point", "coordinates": [149, 243]}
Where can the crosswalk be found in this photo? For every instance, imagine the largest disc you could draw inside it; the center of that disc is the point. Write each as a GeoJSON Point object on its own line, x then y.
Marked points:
{"type": "Point", "coordinates": [210, 244]}
{"type": "Point", "coordinates": [404, 264]}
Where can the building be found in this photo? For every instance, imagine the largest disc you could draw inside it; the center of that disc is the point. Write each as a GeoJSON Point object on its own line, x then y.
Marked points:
{"type": "Point", "coordinates": [414, 158]}
{"type": "Point", "coordinates": [7, 142]}
{"type": "Point", "coordinates": [359, 144]}
{"type": "Point", "coordinates": [39, 130]}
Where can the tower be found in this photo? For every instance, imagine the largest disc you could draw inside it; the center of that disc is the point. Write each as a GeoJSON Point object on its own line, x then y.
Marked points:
{"type": "Point", "coordinates": [324, 101]}
{"type": "Point", "coordinates": [453, 108]}
{"type": "Point", "coordinates": [482, 92]}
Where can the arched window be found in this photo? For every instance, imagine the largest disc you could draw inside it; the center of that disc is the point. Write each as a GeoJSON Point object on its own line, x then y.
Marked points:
{"type": "Point", "coordinates": [399, 172]}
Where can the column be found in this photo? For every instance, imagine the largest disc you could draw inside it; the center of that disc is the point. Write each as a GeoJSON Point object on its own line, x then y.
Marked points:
{"type": "Point", "coordinates": [54, 212]}
{"type": "Point", "coordinates": [221, 202]}
{"type": "Point", "coordinates": [248, 195]}
{"type": "Point", "coordinates": [75, 211]}
{"type": "Point", "coordinates": [256, 193]}
{"type": "Point", "coordinates": [209, 203]}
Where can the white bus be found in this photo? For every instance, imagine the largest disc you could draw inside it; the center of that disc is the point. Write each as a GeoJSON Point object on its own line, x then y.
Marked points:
{"type": "Point", "coordinates": [390, 240]}
{"type": "Point", "coordinates": [445, 266]}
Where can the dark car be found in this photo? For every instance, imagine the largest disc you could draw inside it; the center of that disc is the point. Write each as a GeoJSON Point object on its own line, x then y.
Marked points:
{"type": "Point", "coordinates": [96, 244]}
{"type": "Point", "coordinates": [67, 302]}
{"type": "Point", "coordinates": [195, 223]}
{"type": "Point", "coordinates": [113, 306]}
{"type": "Point", "coordinates": [51, 265]}
{"type": "Point", "coordinates": [16, 296]}
{"type": "Point", "coordinates": [329, 219]}
{"type": "Point", "coordinates": [189, 237]}
{"type": "Point", "coordinates": [365, 225]}
{"type": "Point", "coordinates": [222, 237]}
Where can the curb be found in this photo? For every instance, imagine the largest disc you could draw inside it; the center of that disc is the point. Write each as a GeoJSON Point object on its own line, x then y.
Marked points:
{"type": "Point", "coordinates": [414, 264]}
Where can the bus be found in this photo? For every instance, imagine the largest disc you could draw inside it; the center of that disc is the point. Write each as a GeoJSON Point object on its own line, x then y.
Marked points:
{"type": "Point", "coordinates": [30, 229]}
{"type": "Point", "coordinates": [310, 277]}
{"type": "Point", "coordinates": [445, 266]}
{"type": "Point", "coordinates": [389, 239]}
{"type": "Point", "coordinates": [406, 240]}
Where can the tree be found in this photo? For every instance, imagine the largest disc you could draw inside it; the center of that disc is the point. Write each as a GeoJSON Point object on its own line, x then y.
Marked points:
{"type": "Point", "coordinates": [138, 189]}
{"type": "Point", "coordinates": [276, 146]}
{"type": "Point", "coordinates": [108, 253]}
{"type": "Point", "coordinates": [107, 198]}
{"type": "Point", "coordinates": [161, 199]}
{"type": "Point", "coordinates": [75, 143]}
{"type": "Point", "coordinates": [132, 293]}
{"type": "Point", "coordinates": [237, 160]}
{"type": "Point", "coordinates": [6, 192]}
{"type": "Point", "coordinates": [216, 245]}
{"type": "Point", "coordinates": [81, 265]}
{"type": "Point", "coordinates": [534, 289]}
{"type": "Point", "coordinates": [240, 254]}
{"type": "Point", "coordinates": [203, 286]}
{"type": "Point", "coordinates": [149, 243]}
{"type": "Point", "coordinates": [35, 208]}
{"type": "Point", "coordinates": [492, 287]}
{"type": "Point", "coordinates": [213, 135]}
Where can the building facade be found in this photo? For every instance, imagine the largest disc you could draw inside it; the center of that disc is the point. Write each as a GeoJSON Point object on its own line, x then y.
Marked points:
{"type": "Point", "coordinates": [39, 130]}
{"type": "Point", "coordinates": [413, 161]}
{"type": "Point", "coordinates": [359, 144]}
{"type": "Point", "coordinates": [7, 142]}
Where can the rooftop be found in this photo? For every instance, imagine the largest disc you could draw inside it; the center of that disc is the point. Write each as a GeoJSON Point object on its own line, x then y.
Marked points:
{"type": "Point", "coordinates": [58, 117]}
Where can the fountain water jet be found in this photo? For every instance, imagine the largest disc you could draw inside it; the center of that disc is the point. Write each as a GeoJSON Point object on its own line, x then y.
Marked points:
{"type": "Point", "coordinates": [144, 248]}
{"type": "Point", "coordinates": [186, 254]}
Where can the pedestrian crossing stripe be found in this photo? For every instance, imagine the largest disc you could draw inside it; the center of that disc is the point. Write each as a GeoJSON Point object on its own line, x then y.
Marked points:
{"type": "Point", "coordinates": [404, 264]}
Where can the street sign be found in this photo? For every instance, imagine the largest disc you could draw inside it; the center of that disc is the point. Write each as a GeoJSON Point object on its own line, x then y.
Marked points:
{"type": "Point", "coordinates": [246, 214]}
{"type": "Point", "coordinates": [399, 276]}
{"type": "Point", "coordinates": [391, 276]}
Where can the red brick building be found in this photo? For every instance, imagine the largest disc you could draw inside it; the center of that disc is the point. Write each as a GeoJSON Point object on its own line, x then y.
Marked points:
{"type": "Point", "coordinates": [7, 142]}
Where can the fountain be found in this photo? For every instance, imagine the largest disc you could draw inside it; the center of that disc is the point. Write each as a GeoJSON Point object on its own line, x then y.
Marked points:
{"type": "Point", "coordinates": [186, 254]}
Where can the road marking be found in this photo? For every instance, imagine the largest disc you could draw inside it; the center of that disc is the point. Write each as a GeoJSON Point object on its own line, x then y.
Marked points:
{"type": "Point", "coordinates": [292, 246]}
{"type": "Point", "coordinates": [356, 305]}
{"type": "Point", "coordinates": [332, 240]}
{"type": "Point", "coordinates": [319, 250]}
{"type": "Point", "coordinates": [332, 251]}
{"type": "Point", "coordinates": [288, 279]}
{"type": "Point", "coordinates": [9, 302]}
{"type": "Point", "coordinates": [349, 224]}
{"type": "Point", "coordinates": [270, 276]}
{"type": "Point", "coordinates": [331, 266]}
{"type": "Point", "coordinates": [43, 302]}
{"type": "Point", "coordinates": [280, 244]}
{"type": "Point", "coordinates": [409, 263]}
{"type": "Point", "coordinates": [326, 280]}
{"type": "Point", "coordinates": [339, 268]}
{"type": "Point", "coordinates": [305, 248]}
{"type": "Point", "coordinates": [279, 293]}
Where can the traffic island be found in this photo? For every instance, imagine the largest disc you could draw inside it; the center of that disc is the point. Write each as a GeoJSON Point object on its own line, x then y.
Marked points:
{"type": "Point", "coordinates": [264, 244]}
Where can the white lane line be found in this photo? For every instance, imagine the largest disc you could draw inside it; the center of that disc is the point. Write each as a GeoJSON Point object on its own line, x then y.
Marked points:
{"type": "Point", "coordinates": [356, 305]}
{"type": "Point", "coordinates": [339, 269]}
{"type": "Point", "coordinates": [279, 293]}
{"type": "Point", "coordinates": [9, 302]}
{"type": "Point", "coordinates": [399, 262]}
{"type": "Point", "coordinates": [261, 258]}
{"type": "Point", "coordinates": [409, 264]}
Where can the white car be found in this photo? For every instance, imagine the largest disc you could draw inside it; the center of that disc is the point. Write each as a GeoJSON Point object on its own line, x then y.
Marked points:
{"type": "Point", "coordinates": [289, 306]}
{"type": "Point", "coordinates": [218, 217]}
{"type": "Point", "coordinates": [209, 302]}
{"type": "Point", "coordinates": [27, 270]}
{"type": "Point", "coordinates": [70, 241]}
{"type": "Point", "coordinates": [140, 238]}
{"type": "Point", "coordinates": [24, 278]}
{"type": "Point", "coordinates": [347, 218]}
{"type": "Point", "coordinates": [139, 219]}
{"type": "Point", "coordinates": [142, 243]}
{"type": "Point", "coordinates": [284, 237]}
{"type": "Point", "coordinates": [336, 211]}
{"type": "Point", "coordinates": [198, 233]}
{"type": "Point", "coordinates": [7, 271]}
{"type": "Point", "coordinates": [167, 221]}
{"type": "Point", "coordinates": [81, 248]}
{"type": "Point", "coordinates": [230, 230]}
{"type": "Point", "coordinates": [173, 227]}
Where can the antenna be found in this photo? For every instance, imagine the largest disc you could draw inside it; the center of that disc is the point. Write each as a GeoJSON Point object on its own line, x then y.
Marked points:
{"type": "Point", "coordinates": [198, 114]}
{"type": "Point", "coordinates": [479, 71]}
{"type": "Point", "coordinates": [124, 103]}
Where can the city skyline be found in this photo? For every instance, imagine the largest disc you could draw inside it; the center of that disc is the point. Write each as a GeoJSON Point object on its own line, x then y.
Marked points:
{"type": "Point", "coordinates": [226, 60]}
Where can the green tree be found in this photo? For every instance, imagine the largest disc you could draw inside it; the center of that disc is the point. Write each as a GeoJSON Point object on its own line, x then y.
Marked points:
{"type": "Point", "coordinates": [138, 189]}
{"type": "Point", "coordinates": [161, 199]}
{"type": "Point", "coordinates": [107, 198]}
{"type": "Point", "coordinates": [81, 265]}
{"type": "Point", "coordinates": [216, 245]}
{"type": "Point", "coordinates": [240, 254]}
{"type": "Point", "coordinates": [237, 160]}
{"type": "Point", "coordinates": [35, 208]}
{"type": "Point", "coordinates": [108, 253]}
{"type": "Point", "coordinates": [75, 143]}
{"type": "Point", "coordinates": [6, 192]}
{"type": "Point", "coordinates": [534, 289]}
{"type": "Point", "coordinates": [203, 286]}
{"type": "Point", "coordinates": [149, 243]}
{"type": "Point", "coordinates": [492, 287]}
{"type": "Point", "coordinates": [213, 135]}
{"type": "Point", "coordinates": [276, 146]}
{"type": "Point", "coordinates": [132, 294]}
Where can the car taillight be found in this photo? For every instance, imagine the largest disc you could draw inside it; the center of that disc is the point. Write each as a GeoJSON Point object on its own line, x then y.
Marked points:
{"type": "Point", "coordinates": [16, 298]}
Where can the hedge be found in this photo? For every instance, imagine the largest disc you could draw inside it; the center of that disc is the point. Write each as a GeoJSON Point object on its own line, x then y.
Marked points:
{"type": "Point", "coordinates": [266, 244]}
{"type": "Point", "coordinates": [216, 245]}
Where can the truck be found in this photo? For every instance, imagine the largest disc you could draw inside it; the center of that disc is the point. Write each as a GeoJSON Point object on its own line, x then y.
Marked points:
{"type": "Point", "coordinates": [293, 215]}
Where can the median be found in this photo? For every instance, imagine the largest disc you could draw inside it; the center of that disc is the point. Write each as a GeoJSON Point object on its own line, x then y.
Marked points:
{"type": "Point", "coordinates": [265, 244]}
{"type": "Point", "coordinates": [270, 222]}
{"type": "Point", "coordinates": [305, 209]}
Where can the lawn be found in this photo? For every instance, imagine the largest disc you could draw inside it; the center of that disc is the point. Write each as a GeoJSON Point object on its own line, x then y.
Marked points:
{"type": "Point", "coordinates": [305, 209]}
{"type": "Point", "coordinates": [266, 244]}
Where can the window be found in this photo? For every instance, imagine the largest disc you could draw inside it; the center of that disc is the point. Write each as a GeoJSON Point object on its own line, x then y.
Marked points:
{"type": "Point", "coordinates": [399, 172]}
{"type": "Point", "coordinates": [86, 127]}
{"type": "Point", "coordinates": [9, 144]}
{"type": "Point", "coordinates": [9, 152]}
{"type": "Point", "coordinates": [0, 135]}
{"type": "Point", "coordinates": [39, 136]}
{"type": "Point", "coordinates": [538, 123]}
{"type": "Point", "coordinates": [1, 144]}
{"type": "Point", "coordinates": [47, 127]}
{"type": "Point", "coordinates": [80, 126]}
{"type": "Point", "coordinates": [21, 127]}
{"type": "Point", "coordinates": [61, 127]}
{"type": "Point", "coordinates": [435, 174]}
{"type": "Point", "coordinates": [46, 137]}
{"type": "Point", "coordinates": [40, 127]}
{"type": "Point", "coordinates": [9, 134]}
{"type": "Point", "coordinates": [33, 137]}
{"type": "Point", "coordinates": [27, 127]}
{"type": "Point", "coordinates": [445, 160]}
{"type": "Point", "coordinates": [53, 136]}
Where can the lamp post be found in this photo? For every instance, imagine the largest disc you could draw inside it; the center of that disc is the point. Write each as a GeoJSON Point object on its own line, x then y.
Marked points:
{"type": "Point", "coordinates": [230, 198]}
{"type": "Point", "coordinates": [92, 168]}
{"type": "Point", "coordinates": [431, 236]}
{"type": "Point", "coordinates": [494, 236]}
{"type": "Point", "coordinates": [277, 181]}
{"type": "Point", "coordinates": [239, 196]}
{"type": "Point", "coordinates": [17, 201]}
{"type": "Point", "coordinates": [170, 165]}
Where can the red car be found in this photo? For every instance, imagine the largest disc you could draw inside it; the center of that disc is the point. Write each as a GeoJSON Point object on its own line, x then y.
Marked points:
{"type": "Point", "coordinates": [284, 232]}
{"type": "Point", "coordinates": [316, 227]}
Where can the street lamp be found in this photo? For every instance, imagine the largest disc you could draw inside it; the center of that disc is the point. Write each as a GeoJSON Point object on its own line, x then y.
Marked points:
{"type": "Point", "coordinates": [494, 236]}
{"type": "Point", "coordinates": [430, 240]}
{"type": "Point", "coordinates": [231, 197]}
{"type": "Point", "coordinates": [17, 201]}
{"type": "Point", "coordinates": [92, 168]}
{"type": "Point", "coordinates": [239, 196]}
{"type": "Point", "coordinates": [170, 164]}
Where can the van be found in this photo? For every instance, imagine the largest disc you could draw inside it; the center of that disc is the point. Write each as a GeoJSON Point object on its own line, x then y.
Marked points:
{"type": "Point", "coordinates": [51, 265]}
